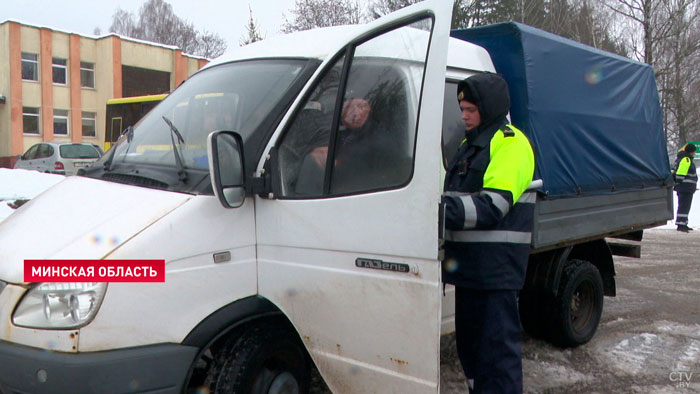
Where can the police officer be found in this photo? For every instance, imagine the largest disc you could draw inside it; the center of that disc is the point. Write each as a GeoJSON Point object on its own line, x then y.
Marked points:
{"type": "Point", "coordinates": [686, 181]}
{"type": "Point", "coordinates": [488, 229]}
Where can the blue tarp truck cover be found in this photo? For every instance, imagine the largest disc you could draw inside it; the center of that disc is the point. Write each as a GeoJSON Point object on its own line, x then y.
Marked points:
{"type": "Point", "coordinates": [593, 117]}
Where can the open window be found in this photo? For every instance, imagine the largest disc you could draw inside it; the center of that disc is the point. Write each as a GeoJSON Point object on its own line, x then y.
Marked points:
{"type": "Point", "coordinates": [452, 124]}
{"type": "Point", "coordinates": [356, 130]}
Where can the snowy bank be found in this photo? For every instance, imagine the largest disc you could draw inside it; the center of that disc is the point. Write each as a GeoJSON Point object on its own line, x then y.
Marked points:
{"type": "Point", "coordinates": [22, 184]}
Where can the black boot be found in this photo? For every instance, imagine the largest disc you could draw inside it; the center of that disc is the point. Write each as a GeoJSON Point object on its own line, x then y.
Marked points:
{"type": "Point", "coordinates": [682, 228]}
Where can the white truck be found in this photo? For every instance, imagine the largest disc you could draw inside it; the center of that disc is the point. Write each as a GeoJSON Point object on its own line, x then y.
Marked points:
{"type": "Point", "coordinates": [281, 253]}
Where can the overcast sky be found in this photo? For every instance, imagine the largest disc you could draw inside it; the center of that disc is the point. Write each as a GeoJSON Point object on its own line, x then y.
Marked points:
{"type": "Point", "coordinates": [227, 18]}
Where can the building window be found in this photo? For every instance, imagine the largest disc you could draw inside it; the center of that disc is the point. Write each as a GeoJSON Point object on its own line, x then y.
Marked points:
{"type": "Point", "coordinates": [30, 66]}
{"type": "Point", "coordinates": [60, 122]}
{"type": "Point", "coordinates": [59, 71]}
{"type": "Point", "coordinates": [87, 75]}
{"type": "Point", "coordinates": [30, 120]}
{"type": "Point", "coordinates": [89, 124]}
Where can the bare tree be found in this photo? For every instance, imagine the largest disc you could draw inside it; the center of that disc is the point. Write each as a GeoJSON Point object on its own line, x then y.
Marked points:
{"type": "Point", "coordinates": [650, 15]}
{"type": "Point", "coordinates": [590, 23]}
{"type": "Point", "coordinates": [465, 13]}
{"type": "Point", "coordinates": [124, 22]}
{"type": "Point", "coordinates": [157, 22]}
{"type": "Point", "coordinates": [379, 8]}
{"type": "Point", "coordinates": [585, 21]}
{"type": "Point", "coordinates": [252, 32]}
{"type": "Point", "coordinates": [309, 14]}
{"type": "Point", "coordinates": [666, 35]}
{"type": "Point", "coordinates": [460, 14]}
{"type": "Point", "coordinates": [677, 66]}
{"type": "Point", "coordinates": [209, 45]}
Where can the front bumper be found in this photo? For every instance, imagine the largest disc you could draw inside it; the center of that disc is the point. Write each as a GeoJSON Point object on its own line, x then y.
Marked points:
{"type": "Point", "coordinates": [149, 369]}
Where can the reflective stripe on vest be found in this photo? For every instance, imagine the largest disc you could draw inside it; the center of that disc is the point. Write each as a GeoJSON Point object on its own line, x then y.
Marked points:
{"type": "Point", "coordinates": [526, 201]}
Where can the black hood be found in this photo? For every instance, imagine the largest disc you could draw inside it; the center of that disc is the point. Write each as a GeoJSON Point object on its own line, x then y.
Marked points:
{"type": "Point", "coordinates": [489, 92]}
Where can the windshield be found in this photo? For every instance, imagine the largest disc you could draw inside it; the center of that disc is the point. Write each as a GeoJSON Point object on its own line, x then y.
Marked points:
{"type": "Point", "coordinates": [76, 151]}
{"type": "Point", "coordinates": [235, 96]}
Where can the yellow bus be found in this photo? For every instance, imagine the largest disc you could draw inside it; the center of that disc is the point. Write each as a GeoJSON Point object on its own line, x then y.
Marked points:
{"type": "Point", "coordinates": [125, 112]}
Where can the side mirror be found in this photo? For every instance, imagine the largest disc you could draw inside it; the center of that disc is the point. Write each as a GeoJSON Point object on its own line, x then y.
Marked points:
{"type": "Point", "coordinates": [19, 157]}
{"type": "Point", "coordinates": [225, 151]}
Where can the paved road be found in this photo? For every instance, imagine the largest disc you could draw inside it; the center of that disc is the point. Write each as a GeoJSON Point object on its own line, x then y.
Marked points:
{"type": "Point", "coordinates": [648, 340]}
{"type": "Point", "coordinates": [649, 337]}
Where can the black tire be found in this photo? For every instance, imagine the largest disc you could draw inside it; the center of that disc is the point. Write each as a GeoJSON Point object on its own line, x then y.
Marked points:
{"type": "Point", "coordinates": [578, 306]}
{"type": "Point", "coordinates": [265, 359]}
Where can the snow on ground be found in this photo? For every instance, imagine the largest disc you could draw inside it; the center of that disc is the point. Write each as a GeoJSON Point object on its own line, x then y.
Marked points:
{"type": "Point", "coordinates": [693, 218]}
{"type": "Point", "coordinates": [22, 184]}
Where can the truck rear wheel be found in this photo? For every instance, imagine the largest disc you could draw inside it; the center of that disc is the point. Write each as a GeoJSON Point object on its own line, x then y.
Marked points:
{"type": "Point", "coordinates": [266, 358]}
{"type": "Point", "coordinates": [579, 304]}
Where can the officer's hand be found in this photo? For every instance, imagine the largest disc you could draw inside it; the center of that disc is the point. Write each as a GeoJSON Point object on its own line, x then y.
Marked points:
{"type": "Point", "coordinates": [453, 213]}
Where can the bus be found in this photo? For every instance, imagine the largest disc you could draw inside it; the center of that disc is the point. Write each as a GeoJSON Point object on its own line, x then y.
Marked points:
{"type": "Point", "coordinates": [125, 112]}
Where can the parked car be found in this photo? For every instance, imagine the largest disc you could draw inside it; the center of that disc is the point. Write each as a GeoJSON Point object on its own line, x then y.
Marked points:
{"type": "Point", "coordinates": [59, 157]}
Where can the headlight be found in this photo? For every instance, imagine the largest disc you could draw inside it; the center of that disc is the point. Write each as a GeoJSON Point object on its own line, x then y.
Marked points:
{"type": "Point", "coordinates": [59, 305]}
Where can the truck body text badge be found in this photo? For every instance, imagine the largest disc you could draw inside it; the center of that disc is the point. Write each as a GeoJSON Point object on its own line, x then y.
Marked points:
{"type": "Point", "coordinates": [382, 265]}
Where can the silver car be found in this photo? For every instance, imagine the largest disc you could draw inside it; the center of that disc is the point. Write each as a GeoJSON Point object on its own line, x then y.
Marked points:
{"type": "Point", "coordinates": [59, 157]}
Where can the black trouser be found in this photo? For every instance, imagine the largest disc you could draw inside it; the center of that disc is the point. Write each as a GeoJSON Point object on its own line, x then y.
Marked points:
{"type": "Point", "coordinates": [684, 201]}
{"type": "Point", "coordinates": [488, 339]}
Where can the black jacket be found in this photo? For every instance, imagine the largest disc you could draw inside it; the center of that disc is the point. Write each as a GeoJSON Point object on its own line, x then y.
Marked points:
{"type": "Point", "coordinates": [488, 234]}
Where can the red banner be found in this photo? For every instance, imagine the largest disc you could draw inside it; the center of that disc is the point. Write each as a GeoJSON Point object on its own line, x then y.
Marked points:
{"type": "Point", "coordinates": [94, 270]}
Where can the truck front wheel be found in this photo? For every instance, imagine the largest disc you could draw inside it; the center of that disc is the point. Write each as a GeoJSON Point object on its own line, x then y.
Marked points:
{"type": "Point", "coordinates": [266, 358]}
{"type": "Point", "coordinates": [579, 304]}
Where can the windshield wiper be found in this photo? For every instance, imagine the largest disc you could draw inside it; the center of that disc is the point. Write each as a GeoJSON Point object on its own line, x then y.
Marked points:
{"type": "Point", "coordinates": [178, 160]}
{"type": "Point", "coordinates": [129, 131]}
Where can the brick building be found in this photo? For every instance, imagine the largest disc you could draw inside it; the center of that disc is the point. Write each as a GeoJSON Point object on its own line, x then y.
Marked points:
{"type": "Point", "coordinates": [54, 85]}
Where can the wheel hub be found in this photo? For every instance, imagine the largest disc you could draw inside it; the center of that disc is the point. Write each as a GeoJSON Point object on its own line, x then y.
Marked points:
{"type": "Point", "coordinates": [284, 383]}
{"type": "Point", "coordinates": [581, 306]}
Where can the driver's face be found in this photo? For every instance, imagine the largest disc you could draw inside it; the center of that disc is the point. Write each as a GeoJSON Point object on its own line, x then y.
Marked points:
{"type": "Point", "coordinates": [355, 113]}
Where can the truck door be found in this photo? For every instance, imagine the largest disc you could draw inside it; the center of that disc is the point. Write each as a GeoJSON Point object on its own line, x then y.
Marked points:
{"type": "Point", "coordinates": [348, 247]}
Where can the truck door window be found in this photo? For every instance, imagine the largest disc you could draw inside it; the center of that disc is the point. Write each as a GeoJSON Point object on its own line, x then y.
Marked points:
{"type": "Point", "coordinates": [452, 124]}
{"type": "Point", "coordinates": [304, 150]}
{"type": "Point", "coordinates": [372, 139]}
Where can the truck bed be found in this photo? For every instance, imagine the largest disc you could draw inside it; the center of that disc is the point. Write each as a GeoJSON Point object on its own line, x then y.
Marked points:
{"type": "Point", "coordinates": [595, 123]}
{"type": "Point", "coordinates": [568, 221]}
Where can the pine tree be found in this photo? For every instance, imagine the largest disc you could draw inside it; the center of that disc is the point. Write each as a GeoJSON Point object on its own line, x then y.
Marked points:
{"type": "Point", "coordinates": [252, 31]}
